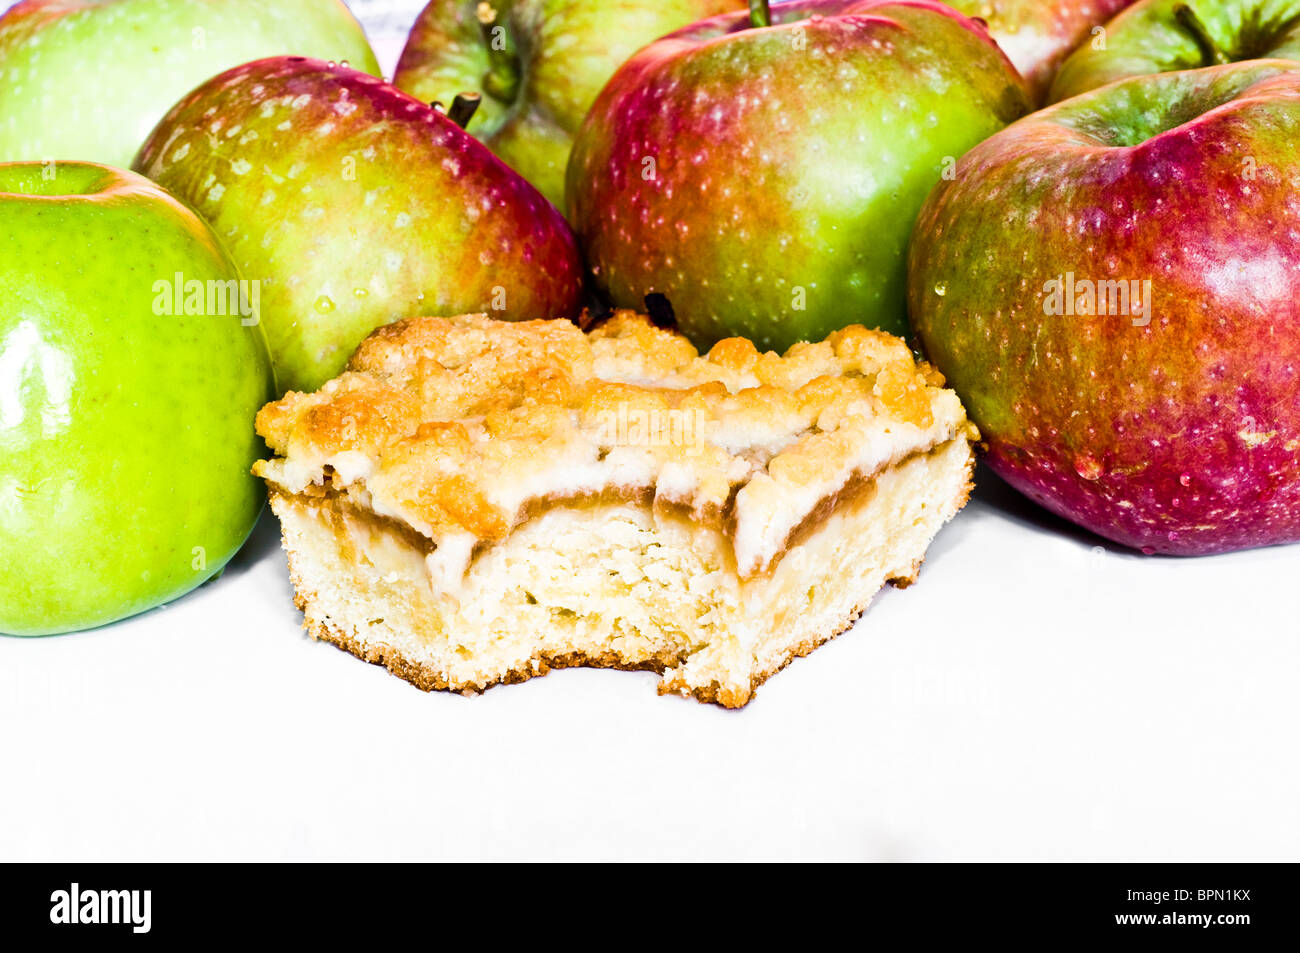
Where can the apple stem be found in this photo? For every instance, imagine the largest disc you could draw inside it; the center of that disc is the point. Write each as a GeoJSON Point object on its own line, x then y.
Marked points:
{"type": "Point", "coordinates": [760, 13]}
{"type": "Point", "coordinates": [463, 108]}
{"type": "Point", "coordinates": [1211, 55]}
{"type": "Point", "coordinates": [502, 78]}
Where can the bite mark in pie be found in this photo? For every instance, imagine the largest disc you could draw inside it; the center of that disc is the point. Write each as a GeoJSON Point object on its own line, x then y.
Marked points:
{"type": "Point", "coordinates": [475, 501]}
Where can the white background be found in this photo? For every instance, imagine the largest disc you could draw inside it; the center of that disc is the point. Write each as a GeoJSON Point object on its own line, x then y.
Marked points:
{"type": "Point", "coordinates": [1035, 696]}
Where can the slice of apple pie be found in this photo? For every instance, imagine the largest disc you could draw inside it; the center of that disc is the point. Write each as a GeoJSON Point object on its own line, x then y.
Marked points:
{"type": "Point", "coordinates": [476, 501]}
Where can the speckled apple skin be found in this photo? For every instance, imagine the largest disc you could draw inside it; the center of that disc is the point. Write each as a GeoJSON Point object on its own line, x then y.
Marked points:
{"type": "Point", "coordinates": [88, 79]}
{"type": "Point", "coordinates": [568, 49]}
{"type": "Point", "coordinates": [1147, 38]}
{"type": "Point", "coordinates": [742, 175]}
{"type": "Point", "coordinates": [1181, 436]}
{"type": "Point", "coordinates": [1038, 34]}
{"type": "Point", "coordinates": [356, 205]}
{"type": "Point", "coordinates": [126, 435]}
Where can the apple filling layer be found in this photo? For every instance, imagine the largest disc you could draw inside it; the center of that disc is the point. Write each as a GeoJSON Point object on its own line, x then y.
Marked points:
{"type": "Point", "coordinates": [476, 502]}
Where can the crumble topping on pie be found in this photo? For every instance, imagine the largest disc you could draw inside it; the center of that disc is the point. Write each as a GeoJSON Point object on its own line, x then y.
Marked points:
{"type": "Point", "coordinates": [455, 427]}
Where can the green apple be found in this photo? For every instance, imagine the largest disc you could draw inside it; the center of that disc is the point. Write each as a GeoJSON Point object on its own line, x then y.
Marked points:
{"type": "Point", "coordinates": [88, 79]}
{"type": "Point", "coordinates": [1162, 36]}
{"type": "Point", "coordinates": [764, 178]}
{"type": "Point", "coordinates": [357, 205]}
{"type": "Point", "coordinates": [131, 367]}
{"type": "Point", "coordinates": [539, 65]}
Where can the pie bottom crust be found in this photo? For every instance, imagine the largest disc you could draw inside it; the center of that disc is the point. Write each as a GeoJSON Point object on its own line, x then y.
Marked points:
{"type": "Point", "coordinates": [613, 585]}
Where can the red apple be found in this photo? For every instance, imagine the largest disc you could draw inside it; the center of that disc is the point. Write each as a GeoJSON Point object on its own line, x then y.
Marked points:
{"type": "Point", "coordinates": [1112, 285]}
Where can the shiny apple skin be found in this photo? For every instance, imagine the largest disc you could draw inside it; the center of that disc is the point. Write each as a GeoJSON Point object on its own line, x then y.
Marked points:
{"type": "Point", "coordinates": [126, 430]}
{"type": "Point", "coordinates": [357, 205]}
{"type": "Point", "coordinates": [1179, 436]}
{"type": "Point", "coordinates": [1147, 38]}
{"type": "Point", "coordinates": [88, 79]}
{"type": "Point", "coordinates": [567, 51]}
{"type": "Point", "coordinates": [766, 180]}
{"type": "Point", "coordinates": [1037, 35]}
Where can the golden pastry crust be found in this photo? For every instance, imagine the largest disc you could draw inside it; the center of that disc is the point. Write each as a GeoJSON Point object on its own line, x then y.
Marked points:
{"type": "Point", "coordinates": [454, 426]}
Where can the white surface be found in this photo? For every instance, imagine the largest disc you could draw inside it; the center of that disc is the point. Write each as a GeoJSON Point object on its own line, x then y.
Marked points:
{"type": "Point", "coordinates": [1032, 697]}
{"type": "Point", "coordinates": [387, 23]}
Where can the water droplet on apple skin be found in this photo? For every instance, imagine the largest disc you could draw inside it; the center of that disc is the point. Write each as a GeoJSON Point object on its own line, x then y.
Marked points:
{"type": "Point", "coordinates": [1088, 467]}
{"type": "Point", "coordinates": [324, 304]}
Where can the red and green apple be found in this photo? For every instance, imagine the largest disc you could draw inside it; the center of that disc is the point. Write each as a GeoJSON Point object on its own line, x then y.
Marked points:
{"type": "Point", "coordinates": [1111, 287]}
{"type": "Point", "coordinates": [1161, 36]}
{"type": "Point", "coordinates": [764, 178]}
{"type": "Point", "coordinates": [538, 65]}
{"type": "Point", "coordinates": [356, 205]}
{"type": "Point", "coordinates": [1038, 34]}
